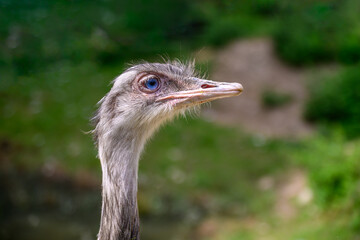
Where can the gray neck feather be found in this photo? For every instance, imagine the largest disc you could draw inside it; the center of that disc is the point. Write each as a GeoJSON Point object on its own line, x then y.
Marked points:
{"type": "Point", "coordinates": [119, 154]}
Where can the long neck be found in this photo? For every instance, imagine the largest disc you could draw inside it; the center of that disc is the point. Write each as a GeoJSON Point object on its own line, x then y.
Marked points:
{"type": "Point", "coordinates": [119, 159]}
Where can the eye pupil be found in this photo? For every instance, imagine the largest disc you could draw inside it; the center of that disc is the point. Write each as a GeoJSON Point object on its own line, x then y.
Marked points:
{"type": "Point", "coordinates": [152, 83]}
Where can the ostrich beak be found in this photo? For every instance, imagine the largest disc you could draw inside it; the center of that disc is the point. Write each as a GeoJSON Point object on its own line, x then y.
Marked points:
{"type": "Point", "coordinates": [205, 91]}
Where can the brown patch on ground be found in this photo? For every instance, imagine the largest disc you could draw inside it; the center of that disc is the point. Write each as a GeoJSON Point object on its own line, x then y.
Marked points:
{"type": "Point", "coordinates": [293, 192]}
{"type": "Point", "coordinates": [254, 64]}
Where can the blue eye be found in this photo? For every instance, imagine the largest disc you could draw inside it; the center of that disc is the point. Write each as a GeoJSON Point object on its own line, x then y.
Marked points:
{"type": "Point", "coordinates": [152, 83]}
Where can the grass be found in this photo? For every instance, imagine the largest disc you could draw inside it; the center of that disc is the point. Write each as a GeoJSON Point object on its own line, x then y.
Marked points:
{"type": "Point", "coordinates": [310, 224]}
{"type": "Point", "coordinates": [271, 99]}
{"type": "Point", "coordinates": [330, 162]}
{"type": "Point", "coordinates": [49, 112]}
{"type": "Point", "coordinates": [197, 157]}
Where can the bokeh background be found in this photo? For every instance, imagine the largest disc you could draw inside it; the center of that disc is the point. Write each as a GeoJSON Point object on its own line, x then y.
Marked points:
{"type": "Point", "coordinates": [282, 161]}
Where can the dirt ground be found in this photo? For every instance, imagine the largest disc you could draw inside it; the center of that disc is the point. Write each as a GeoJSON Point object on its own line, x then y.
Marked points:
{"type": "Point", "coordinates": [252, 62]}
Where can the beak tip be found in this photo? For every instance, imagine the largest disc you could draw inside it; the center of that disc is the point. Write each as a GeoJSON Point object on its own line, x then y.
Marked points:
{"type": "Point", "coordinates": [239, 87]}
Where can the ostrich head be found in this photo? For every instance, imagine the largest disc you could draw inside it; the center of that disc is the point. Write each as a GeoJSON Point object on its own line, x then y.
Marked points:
{"type": "Point", "coordinates": [146, 95]}
{"type": "Point", "coordinates": [141, 99]}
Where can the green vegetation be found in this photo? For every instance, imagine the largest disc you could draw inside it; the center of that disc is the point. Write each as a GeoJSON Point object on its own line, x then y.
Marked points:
{"type": "Point", "coordinates": [319, 31]}
{"type": "Point", "coordinates": [188, 154]}
{"type": "Point", "coordinates": [332, 166]}
{"type": "Point", "coordinates": [46, 115]}
{"type": "Point", "coordinates": [38, 33]}
{"type": "Point", "coordinates": [334, 171]}
{"type": "Point", "coordinates": [335, 101]}
{"type": "Point", "coordinates": [271, 99]}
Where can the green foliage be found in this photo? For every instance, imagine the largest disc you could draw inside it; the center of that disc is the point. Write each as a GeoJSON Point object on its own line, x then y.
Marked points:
{"type": "Point", "coordinates": [222, 31]}
{"type": "Point", "coordinates": [272, 99]}
{"type": "Point", "coordinates": [266, 7]}
{"type": "Point", "coordinates": [333, 167]}
{"type": "Point", "coordinates": [47, 114]}
{"type": "Point", "coordinates": [194, 157]}
{"type": "Point", "coordinates": [231, 19]}
{"type": "Point", "coordinates": [335, 101]}
{"type": "Point", "coordinates": [37, 33]}
{"type": "Point", "coordinates": [317, 31]}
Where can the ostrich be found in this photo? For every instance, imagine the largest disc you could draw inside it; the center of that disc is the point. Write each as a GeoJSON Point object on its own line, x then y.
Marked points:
{"type": "Point", "coordinates": [141, 99]}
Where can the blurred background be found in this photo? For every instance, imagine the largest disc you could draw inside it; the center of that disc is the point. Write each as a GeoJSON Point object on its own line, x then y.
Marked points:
{"type": "Point", "coordinates": [282, 161]}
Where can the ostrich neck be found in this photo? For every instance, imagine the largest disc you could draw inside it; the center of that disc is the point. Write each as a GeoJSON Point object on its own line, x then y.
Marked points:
{"type": "Point", "coordinates": [119, 160]}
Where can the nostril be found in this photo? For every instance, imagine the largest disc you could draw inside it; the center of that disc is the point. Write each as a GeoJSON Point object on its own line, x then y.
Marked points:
{"type": "Point", "coordinates": [207, 86]}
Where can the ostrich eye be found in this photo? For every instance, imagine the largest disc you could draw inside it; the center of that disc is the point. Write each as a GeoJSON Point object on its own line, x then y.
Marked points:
{"type": "Point", "coordinates": [152, 84]}
{"type": "Point", "coordinates": [149, 83]}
